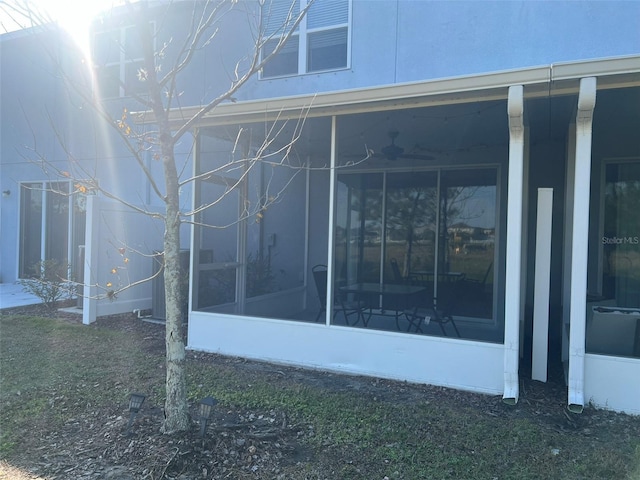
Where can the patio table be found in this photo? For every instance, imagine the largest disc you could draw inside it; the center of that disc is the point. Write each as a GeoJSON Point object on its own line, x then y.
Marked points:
{"type": "Point", "coordinates": [385, 299]}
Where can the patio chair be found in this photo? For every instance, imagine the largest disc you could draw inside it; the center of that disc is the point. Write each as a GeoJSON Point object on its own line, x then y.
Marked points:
{"type": "Point", "coordinates": [476, 289]}
{"type": "Point", "coordinates": [398, 277]}
{"type": "Point", "coordinates": [439, 313]}
{"type": "Point", "coordinates": [340, 304]}
{"type": "Point", "coordinates": [418, 315]}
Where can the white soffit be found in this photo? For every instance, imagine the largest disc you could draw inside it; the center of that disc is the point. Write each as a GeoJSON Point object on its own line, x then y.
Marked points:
{"type": "Point", "coordinates": [555, 79]}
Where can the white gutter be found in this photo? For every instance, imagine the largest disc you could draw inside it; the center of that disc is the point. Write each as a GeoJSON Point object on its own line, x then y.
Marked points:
{"type": "Point", "coordinates": [579, 248]}
{"type": "Point", "coordinates": [558, 78]}
{"type": "Point", "coordinates": [515, 110]}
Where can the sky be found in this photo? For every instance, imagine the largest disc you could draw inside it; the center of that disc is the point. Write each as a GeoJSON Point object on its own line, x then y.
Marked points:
{"type": "Point", "coordinates": [73, 15]}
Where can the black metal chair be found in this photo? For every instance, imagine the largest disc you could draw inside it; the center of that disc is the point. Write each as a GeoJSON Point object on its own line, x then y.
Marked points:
{"type": "Point", "coordinates": [475, 289]}
{"type": "Point", "coordinates": [399, 278]}
{"type": "Point", "coordinates": [397, 274]}
{"type": "Point", "coordinates": [340, 304]}
{"type": "Point", "coordinates": [430, 311]}
{"type": "Point", "coordinates": [419, 315]}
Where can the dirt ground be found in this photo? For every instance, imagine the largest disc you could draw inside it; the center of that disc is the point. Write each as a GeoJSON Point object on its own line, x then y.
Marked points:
{"type": "Point", "coordinates": [242, 442]}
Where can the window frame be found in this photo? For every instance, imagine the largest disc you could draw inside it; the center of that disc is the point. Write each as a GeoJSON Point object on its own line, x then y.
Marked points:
{"type": "Point", "coordinates": [599, 282]}
{"type": "Point", "coordinates": [301, 37]}
{"type": "Point", "coordinates": [497, 280]}
{"type": "Point", "coordinates": [123, 62]}
{"type": "Point", "coordinates": [74, 228]}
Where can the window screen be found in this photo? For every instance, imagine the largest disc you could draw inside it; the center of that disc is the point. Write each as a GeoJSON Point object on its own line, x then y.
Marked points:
{"type": "Point", "coordinates": [327, 49]}
{"type": "Point", "coordinates": [322, 37]}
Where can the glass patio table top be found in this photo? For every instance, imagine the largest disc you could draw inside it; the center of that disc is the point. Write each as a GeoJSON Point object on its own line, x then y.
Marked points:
{"type": "Point", "coordinates": [385, 299]}
{"type": "Point", "coordinates": [383, 289]}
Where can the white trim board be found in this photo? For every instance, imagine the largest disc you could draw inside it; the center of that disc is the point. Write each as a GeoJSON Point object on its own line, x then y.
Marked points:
{"type": "Point", "coordinates": [554, 79]}
{"type": "Point", "coordinates": [462, 364]}
{"type": "Point", "coordinates": [612, 383]}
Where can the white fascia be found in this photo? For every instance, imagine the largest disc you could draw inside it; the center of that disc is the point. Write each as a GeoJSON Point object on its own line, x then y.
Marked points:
{"type": "Point", "coordinates": [558, 78]}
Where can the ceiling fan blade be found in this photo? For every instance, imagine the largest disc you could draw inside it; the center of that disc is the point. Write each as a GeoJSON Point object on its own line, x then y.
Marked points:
{"type": "Point", "coordinates": [393, 152]}
{"type": "Point", "coordinates": [408, 156]}
{"type": "Point", "coordinates": [417, 156]}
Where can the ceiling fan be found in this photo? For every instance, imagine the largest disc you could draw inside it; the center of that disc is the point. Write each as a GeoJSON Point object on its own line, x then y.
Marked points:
{"type": "Point", "coordinates": [393, 152]}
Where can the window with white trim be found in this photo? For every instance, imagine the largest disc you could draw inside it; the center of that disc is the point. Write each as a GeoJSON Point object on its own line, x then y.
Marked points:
{"type": "Point", "coordinates": [320, 43]}
{"type": "Point", "coordinates": [613, 315]}
{"type": "Point", "coordinates": [118, 61]}
{"type": "Point", "coordinates": [52, 224]}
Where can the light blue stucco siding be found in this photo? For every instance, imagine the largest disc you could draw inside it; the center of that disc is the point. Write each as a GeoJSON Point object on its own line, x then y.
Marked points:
{"type": "Point", "coordinates": [398, 41]}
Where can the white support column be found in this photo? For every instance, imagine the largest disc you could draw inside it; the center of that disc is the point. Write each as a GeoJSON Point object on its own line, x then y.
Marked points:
{"type": "Point", "coordinates": [89, 290]}
{"type": "Point", "coordinates": [307, 226]}
{"type": "Point", "coordinates": [193, 230]}
{"type": "Point", "coordinates": [579, 243]}
{"type": "Point", "coordinates": [515, 109]}
{"type": "Point", "coordinates": [540, 351]}
{"type": "Point", "coordinates": [332, 209]}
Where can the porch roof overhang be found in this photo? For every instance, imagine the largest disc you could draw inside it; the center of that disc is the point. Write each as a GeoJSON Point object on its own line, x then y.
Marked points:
{"type": "Point", "coordinates": [542, 81]}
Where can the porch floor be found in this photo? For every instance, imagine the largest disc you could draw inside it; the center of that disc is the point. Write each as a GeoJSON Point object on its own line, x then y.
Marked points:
{"type": "Point", "coordinates": [469, 330]}
{"type": "Point", "coordinates": [12, 295]}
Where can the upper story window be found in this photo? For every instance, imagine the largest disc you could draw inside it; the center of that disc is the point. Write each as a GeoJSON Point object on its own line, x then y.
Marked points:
{"type": "Point", "coordinates": [118, 60]}
{"type": "Point", "coordinates": [319, 43]}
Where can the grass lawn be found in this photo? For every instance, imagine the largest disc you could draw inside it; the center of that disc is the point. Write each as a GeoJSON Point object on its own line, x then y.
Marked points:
{"type": "Point", "coordinates": [63, 411]}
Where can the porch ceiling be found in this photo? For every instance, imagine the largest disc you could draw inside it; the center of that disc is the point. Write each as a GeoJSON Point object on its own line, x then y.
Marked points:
{"type": "Point", "coordinates": [434, 118]}
{"type": "Point", "coordinates": [440, 131]}
{"type": "Point", "coordinates": [433, 132]}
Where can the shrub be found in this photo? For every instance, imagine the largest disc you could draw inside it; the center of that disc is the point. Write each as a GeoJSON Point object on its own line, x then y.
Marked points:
{"type": "Point", "coordinates": [49, 282]}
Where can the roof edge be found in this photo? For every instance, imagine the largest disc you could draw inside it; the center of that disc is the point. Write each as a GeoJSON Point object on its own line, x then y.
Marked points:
{"type": "Point", "coordinates": [450, 89]}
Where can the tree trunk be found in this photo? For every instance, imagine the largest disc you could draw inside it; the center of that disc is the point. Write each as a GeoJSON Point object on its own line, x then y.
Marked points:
{"type": "Point", "coordinates": [176, 408]}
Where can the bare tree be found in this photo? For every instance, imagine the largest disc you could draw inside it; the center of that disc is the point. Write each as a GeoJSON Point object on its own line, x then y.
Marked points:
{"type": "Point", "coordinates": [159, 94]}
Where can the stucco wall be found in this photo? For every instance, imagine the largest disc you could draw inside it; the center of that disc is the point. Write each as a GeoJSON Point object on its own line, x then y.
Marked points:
{"type": "Point", "coordinates": [396, 41]}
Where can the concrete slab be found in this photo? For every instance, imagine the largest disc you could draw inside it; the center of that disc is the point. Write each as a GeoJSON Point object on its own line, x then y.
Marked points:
{"type": "Point", "coordinates": [12, 295]}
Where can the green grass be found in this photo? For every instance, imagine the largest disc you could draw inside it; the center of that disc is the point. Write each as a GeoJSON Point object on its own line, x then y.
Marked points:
{"type": "Point", "coordinates": [427, 440]}
{"type": "Point", "coordinates": [50, 369]}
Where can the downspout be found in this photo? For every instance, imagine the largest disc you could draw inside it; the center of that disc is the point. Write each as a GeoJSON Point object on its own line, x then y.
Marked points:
{"type": "Point", "coordinates": [515, 110]}
{"type": "Point", "coordinates": [579, 247]}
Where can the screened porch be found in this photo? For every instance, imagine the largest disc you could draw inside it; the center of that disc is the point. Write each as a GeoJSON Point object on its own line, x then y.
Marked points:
{"type": "Point", "coordinates": [407, 233]}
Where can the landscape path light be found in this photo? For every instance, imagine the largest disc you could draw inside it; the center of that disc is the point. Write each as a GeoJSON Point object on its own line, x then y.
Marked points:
{"type": "Point", "coordinates": [206, 406]}
{"type": "Point", "coordinates": [135, 402]}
